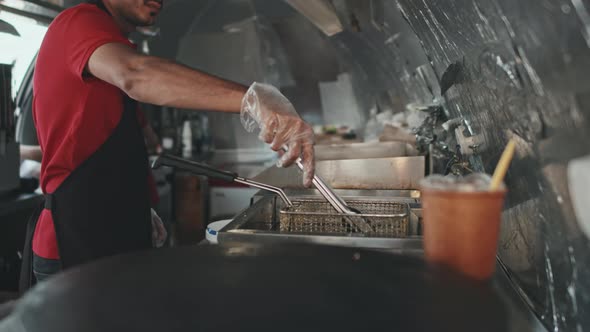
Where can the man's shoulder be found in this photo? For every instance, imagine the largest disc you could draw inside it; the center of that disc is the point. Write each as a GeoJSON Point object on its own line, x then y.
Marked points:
{"type": "Point", "coordinates": [81, 8]}
{"type": "Point", "coordinates": [82, 11]}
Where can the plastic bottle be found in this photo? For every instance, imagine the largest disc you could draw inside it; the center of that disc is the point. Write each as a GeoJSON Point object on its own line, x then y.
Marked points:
{"type": "Point", "coordinates": [372, 130]}
{"type": "Point", "coordinates": [206, 139]}
{"type": "Point", "coordinates": [187, 140]}
{"type": "Point", "coordinates": [170, 132]}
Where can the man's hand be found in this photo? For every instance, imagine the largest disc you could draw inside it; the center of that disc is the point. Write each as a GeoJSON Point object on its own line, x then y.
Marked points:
{"type": "Point", "coordinates": [159, 233]}
{"type": "Point", "coordinates": [280, 126]}
{"type": "Point", "coordinates": [152, 140]}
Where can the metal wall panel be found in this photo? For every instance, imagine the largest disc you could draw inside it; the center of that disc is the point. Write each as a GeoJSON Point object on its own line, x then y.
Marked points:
{"type": "Point", "coordinates": [523, 69]}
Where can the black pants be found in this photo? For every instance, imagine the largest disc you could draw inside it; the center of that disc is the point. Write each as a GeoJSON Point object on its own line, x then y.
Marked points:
{"type": "Point", "coordinates": [44, 268]}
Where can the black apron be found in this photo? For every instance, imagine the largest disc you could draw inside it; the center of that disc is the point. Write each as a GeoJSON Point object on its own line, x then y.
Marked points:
{"type": "Point", "coordinates": [102, 208]}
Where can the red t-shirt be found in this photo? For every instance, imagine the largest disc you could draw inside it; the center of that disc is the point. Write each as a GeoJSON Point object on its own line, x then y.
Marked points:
{"type": "Point", "coordinates": [74, 113]}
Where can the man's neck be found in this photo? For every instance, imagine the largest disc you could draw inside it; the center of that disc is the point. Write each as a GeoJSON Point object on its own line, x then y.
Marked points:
{"type": "Point", "coordinates": [123, 24]}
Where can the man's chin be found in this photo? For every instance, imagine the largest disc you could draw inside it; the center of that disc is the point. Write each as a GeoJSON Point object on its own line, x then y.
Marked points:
{"type": "Point", "coordinates": [145, 19]}
{"type": "Point", "coordinates": [146, 22]}
{"type": "Point", "coordinates": [146, 25]}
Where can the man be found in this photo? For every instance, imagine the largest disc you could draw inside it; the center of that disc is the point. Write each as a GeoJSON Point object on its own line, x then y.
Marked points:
{"type": "Point", "coordinates": [94, 167]}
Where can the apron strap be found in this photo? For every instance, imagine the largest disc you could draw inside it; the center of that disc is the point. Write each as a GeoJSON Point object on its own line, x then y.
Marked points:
{"type": "Point", "coordinates": [27, 279]}
{"type": "Point", "coordinates": [48, 202]}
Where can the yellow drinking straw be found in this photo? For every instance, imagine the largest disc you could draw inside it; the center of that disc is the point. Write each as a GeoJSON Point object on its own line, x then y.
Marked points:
{"type": "Point", "coordinates": [502, 166]}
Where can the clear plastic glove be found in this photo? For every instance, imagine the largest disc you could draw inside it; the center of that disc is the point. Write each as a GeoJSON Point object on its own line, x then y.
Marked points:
{"type": "Point", "coordinates": [266, 108]}
{"type": "Point", "coordinates": [159, 233]}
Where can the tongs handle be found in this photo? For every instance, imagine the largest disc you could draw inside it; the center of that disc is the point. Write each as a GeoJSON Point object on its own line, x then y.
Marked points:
{"type": "Point", "coordinates": [211, 172]}
{"type": "Point", "coordinates": [337, 203]}
{"type": "Point", "coordinates": [193, 167]}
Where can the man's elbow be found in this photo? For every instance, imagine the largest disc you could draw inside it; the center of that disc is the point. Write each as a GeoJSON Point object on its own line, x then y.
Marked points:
{"type": "Point", "coordinates": [133, 77]}
{"type": "Point", "coordinates": [130, 87]}
{"type": "Point", "coordinates": [130, 84]}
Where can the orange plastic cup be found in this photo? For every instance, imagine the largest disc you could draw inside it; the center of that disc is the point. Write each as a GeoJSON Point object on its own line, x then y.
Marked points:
{"type": "Point", "coordinates": [461, 229]}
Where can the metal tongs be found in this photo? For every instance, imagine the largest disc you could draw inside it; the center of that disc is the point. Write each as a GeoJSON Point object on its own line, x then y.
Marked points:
{"type": "Point", "coordinates": [203, 169]}
{"type": "Point", "coordinates": [338, 203]}
{"type": "Point", "coordinates": [211, 172]}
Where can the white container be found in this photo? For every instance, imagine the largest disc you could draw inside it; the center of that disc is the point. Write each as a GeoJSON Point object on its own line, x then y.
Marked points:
{"type": "Point", "coordinates": [226, 202]}
{"type": "Point", "coordinates": [214, 228]}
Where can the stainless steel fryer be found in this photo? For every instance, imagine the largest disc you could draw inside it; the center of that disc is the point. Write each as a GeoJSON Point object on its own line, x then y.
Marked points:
{"type": "Point", "coordinates": [396, 213]}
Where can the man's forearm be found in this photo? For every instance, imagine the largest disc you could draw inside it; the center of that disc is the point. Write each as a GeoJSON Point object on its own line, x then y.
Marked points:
{"type": "Point", "coordinates": [31, 152]}
{"type": "Point", "coordinates": [166, 83]}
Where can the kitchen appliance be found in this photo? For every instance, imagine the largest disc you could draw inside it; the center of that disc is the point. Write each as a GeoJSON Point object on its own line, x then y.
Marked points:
{"type": "Point", "coordinates": [378, 218]}
{"type": "Point", "coordinates": [390, 173]}
{"type": "Point", "coordinates": [395, 215]}
{"type": "Point", "coordinates": [363, 151]}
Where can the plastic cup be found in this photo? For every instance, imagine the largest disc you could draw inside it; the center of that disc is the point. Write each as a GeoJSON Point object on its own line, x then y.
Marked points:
{"type": "Point", "coordinates": [461, 229]}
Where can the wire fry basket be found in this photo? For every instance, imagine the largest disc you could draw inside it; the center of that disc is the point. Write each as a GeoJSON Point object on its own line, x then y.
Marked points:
{"type": "Point", "coordinates": [388, 219]}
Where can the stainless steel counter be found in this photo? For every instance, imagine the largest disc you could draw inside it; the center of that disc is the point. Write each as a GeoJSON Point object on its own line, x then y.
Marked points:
{"type": "Point", "coordinates": [366, 174]}
{"type": "Point", "coordinates": [521, 317]}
